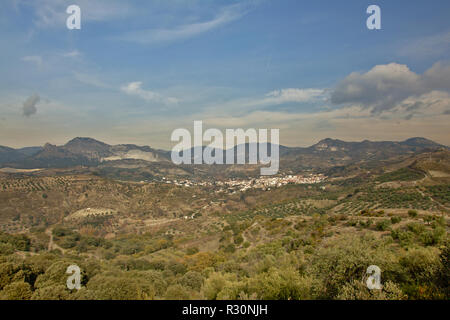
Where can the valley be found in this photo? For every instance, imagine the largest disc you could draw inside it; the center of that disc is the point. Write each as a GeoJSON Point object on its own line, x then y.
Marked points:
{"type": "Point", "coordinates": [204, 233]}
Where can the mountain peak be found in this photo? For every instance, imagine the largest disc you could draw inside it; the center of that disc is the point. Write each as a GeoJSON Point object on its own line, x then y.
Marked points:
{"type": "Point", "coordinates": [331, 141]}
{"type": "Point", "coordinates": [329, 144]}
{"type": "Point", "coordinates": [49, 146]}
{"type": "Point", "coordinates": [84, 140]}
{"type": "Point", "coordinates": [88, 147]}
{"type": "Point", "coordinates": [421, 142]}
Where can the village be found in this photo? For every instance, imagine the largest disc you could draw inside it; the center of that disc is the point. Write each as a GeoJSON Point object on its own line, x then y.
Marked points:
{"type": "Point", "coordinates": [240, 185]}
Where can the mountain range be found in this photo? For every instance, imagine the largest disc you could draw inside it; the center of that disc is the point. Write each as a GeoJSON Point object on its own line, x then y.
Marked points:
{"type": "Point", "coordinates": [90, 152]}
{"type": "Point", "coordinates": [78, 151]}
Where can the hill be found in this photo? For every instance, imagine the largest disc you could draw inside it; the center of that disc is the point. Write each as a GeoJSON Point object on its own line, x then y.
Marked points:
{"type": "Point", "coordinates": [132, 162]}
{"type": "Point", "coordinates": [77, 152]}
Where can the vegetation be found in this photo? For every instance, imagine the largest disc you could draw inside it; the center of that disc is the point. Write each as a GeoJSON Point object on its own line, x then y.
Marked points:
{"type": "Point", "coordinates": [403, 174]}
{"type": "Point", "coordinates": [296, 257]}
{"type": "Point", "coordinates": [160, 241]}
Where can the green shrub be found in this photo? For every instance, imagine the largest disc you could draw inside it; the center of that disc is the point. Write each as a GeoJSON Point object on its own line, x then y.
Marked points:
{"type": "Point", "coordinates": [18, 242]}
{"type": "Point", "coordinates": [412, 213]}
{"type": "Point", "coordinates": [215, 283]}
{"type": "Point", "coordinates": [383, 225]}
{"type": "Point", "coordinates": [395, 220]}
{"type": "Point", "coordinates": [16, 291]}
{"type": "Point", "coordinates": [120, 287]}
{"type": "Point", "coordinates": [238, 240]}
{"type": "Point", "coordinates": [347, 259]}
{"type": "Point", "coordinates": [420, 267]}
{"type": "Point", "coordinates": [357, 290]}
{"type": "Point", "coordinates": [230, 248]}
{"type": "Point", "coordinates": [53, 292]}
{"type": "Point", "coordinates": [192, 279]}
{"type": "Point", "coordinates": [191, 250]}
{"type": "Point", "coordinates": [280, 284]}
{"type": "Point", "coordinates": [432, 237]}
{"type": "Point", "coordinates": [177, 292]}
{"type": "Point", "coordinates": [416, 228]}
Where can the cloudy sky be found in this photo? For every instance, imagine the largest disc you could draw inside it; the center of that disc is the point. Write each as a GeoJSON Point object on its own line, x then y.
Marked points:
{"type": "Point", "coordinates": [137, 70]}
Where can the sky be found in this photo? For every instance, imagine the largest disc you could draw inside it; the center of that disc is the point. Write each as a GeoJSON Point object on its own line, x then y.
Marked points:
{"type": "Point", "coordinates": [137, 70]}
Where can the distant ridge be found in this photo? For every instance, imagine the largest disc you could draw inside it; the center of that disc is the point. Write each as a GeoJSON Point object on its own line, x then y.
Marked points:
{"type": "Point", "coordinates": [90, 152]}
{"type": "Point", "coordinates": [80, 151]}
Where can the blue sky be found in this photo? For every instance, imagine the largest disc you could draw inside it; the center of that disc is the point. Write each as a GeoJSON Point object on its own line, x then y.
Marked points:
{"type": "Point", "coordinates": [137, 70]}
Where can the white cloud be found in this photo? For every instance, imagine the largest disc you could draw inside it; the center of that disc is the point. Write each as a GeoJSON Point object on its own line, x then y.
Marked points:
{"type": "Point", "coordinates": [351, 123]}
{"type": "Point", "coordinates": [293, 95]}
{"type": "Point", "coordinates": [34, 59]}
{"type": "Point", "coordinates": [273, 98]}
{"type": "Point", "coordinates": [72, 54]}
{"type": "Point", "coordinates": [427, 105]}
{"type": "Point", "coordinates": [155, 36]}
{"type": "Point", "coordinates": [385, 86]}
{"type": "Point", "coordinates": [90, 80]}
{"type": "Point", "coordinates": [52, 13]}
{"type": "Point", "coordinates": [135, 89]}
{"type": "Point", "coordinates": [426, 47]}
{"type": "Point", "coordinates": [438, 76]}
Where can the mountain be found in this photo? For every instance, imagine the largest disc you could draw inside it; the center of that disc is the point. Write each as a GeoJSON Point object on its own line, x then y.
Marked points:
{"type": "Point", "coordinates": [11, 155]}
{"type": "Point", "coordinates": [324, 154]}
{"type": "Point", "coordinates": [366, 146]}
{"type": "Point", "coordinates": [89, 148]}
{"type": "Point", "coordinates": [52, 156]}
{"type": "Point", "coordinates": [131, 151]}
{"type": "Point", "coordinates": [332, 152]}
{"type": "Point", "coordinates": [77, 152]}
{"type": "Point", "coordinates": [422, 143]}
{"type": "Point", "coordinates": [29, 151]}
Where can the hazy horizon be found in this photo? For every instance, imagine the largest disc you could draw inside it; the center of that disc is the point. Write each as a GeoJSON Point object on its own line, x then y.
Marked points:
{"type": "Point", "coordinates": [206, 144]}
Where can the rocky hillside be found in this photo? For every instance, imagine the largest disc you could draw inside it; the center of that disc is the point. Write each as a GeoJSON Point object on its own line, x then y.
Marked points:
{"type": "Point", "coordinates": [89, 152]}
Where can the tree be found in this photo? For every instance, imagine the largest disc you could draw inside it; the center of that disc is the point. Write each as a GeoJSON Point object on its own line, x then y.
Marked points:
{"type": "Point", "coordinates": [215, 284]}
{"type": "Point", "coordinates": [357, 290]}
{"type": "Point", "coordinates": [55, 275]}
{"type": "Point", "coordinates": [120, 288]}
{"type": "Point", "coordinates": [18, 290]}
{"type": "Point", "coordinates": [443, 274]}
{"type": "Point", "coordinates": [177, 292]}
{"type": "Point", "coordinates": [281, 284]}
{"type": "Point", "coordinates": [51, 292]}
{"type": "Point", "coordinates": [421, 266]}
{"type": "Point", "coordinates": [412, 213]}
{"type": "Point", "coordinates": [192, 279]}
{"type": "Point", "coordinates": [347, 259]}
{"type": "Point", "coordinates": [9, 273]}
